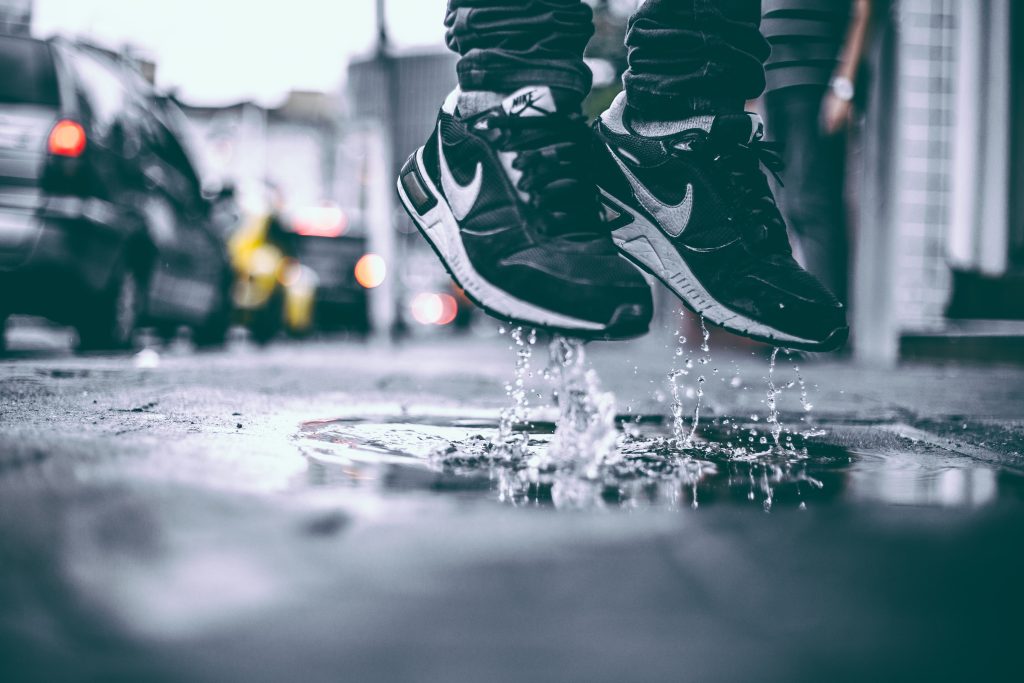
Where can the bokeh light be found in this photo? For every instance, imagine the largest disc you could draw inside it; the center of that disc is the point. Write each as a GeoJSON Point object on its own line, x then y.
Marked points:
{"type": "Point", "coordinates": [370, 271]}
{"type": "Point", "coordinates": [430, 308]}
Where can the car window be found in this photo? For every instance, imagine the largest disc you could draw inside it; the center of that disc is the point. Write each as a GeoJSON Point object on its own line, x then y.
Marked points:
{"type": "Point", "coordinates": [104, 90]}
{"type": "Point", "coordinates": [27, 75]}
{"type": "Point", "coordinates": [175, 142]}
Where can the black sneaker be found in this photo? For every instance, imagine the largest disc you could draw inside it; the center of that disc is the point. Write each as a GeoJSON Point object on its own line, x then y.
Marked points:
{"type": "Point", "coordinates": [691, 205]}
{"type": "Point", "coordinates": [507, 200]}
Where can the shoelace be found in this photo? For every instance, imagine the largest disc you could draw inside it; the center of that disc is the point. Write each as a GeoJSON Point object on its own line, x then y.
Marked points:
{"type": "Point", "coordinates": [762, 222]}
{"type": "Point", "coordinates": [553, 155]}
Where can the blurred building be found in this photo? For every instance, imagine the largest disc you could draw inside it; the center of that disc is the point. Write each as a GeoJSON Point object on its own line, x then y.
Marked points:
{"type": "Point", "coordinates": [393, 96]}
{"type": "Point", "coordinates": [940, 237]}
{"type": "Point", "coordinates": [289, 150]}
{"type": "Point", "coordinates": [404, 90]}
{"type": "Point", "coordinates": [15, 16]}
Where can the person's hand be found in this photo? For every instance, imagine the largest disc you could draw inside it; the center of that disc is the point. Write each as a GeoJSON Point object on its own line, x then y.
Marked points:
{"type": "Point", "coordinates": [835, 113]}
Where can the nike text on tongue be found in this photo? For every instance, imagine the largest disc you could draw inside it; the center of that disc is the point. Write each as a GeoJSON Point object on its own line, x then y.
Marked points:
{"type": "Point", "coordinates": [532, 100]}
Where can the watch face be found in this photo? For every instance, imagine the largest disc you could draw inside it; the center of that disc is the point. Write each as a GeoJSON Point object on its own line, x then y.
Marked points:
{"type": "Point", "coordinates": [843, 88]}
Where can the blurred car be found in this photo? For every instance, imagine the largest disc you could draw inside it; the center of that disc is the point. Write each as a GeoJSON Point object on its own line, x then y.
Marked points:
{"type": "Point", "coordinates": [273, 290]}
{"type": "Point", "coordinates": [337, 253]}
{"type": "Point", "coordinates": [103, 224]}
{"type": "Point", "coordinates": [302, 272]}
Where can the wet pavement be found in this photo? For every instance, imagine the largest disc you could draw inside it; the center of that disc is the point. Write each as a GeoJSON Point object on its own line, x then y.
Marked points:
{"type": "Point", "coordinates": [335, 511]}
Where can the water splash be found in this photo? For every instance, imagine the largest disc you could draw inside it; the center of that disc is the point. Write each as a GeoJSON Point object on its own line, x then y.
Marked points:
{"type": "Point", "coordinates": [568, 468]}
{"type": "Point", "coordinates": [772, 395]}
{"type": "Point", "coordinates": [678, 426]}
{"type": "Point", "coordinates": [705, 358]}
{"type": "Point", "coordinates": [804, 402]}
{"type": "Point", "coordinates": [586, 437]}
{"type": "Point", "coordinates": [513, 437]}
{"type": "Point", "coordinates": [587, 460]}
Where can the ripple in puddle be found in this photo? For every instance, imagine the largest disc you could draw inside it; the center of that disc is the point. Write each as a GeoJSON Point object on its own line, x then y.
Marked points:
{"type": "Point", "coordinates": [648, 469]}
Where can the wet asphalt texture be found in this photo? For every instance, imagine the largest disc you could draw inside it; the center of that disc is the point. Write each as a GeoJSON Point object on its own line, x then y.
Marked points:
{"type": "Point", "coordinates": [167, 524]}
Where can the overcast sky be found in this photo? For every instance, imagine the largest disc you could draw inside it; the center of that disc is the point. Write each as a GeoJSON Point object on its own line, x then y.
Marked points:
{"type": "Point", "coordinates": [219, 51]}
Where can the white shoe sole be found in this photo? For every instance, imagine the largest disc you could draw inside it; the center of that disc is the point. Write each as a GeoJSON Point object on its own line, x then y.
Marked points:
{"type": "Point", "coordinates": [441, 230]}
{"type": "Point", "coordinates": [647, 246]}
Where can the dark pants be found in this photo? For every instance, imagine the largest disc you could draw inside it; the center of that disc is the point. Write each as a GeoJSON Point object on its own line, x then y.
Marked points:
{"type": "Point", "coordinates": [813, 202]}
{"type": "Point", "coordinates": [685, 56]}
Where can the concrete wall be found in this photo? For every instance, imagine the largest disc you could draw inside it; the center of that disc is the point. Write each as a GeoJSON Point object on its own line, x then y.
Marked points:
{"type": "Point", "coordinates": [248, 145]}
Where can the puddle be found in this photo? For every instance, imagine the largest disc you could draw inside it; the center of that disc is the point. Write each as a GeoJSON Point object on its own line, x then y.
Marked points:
{"type": "Point", "coordinates": [576, 451]}
{"type": "Point", "coordinates": [646, 468]}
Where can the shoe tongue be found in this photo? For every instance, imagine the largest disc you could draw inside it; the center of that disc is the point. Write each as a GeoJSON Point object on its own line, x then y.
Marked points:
{"type": "Point", "coordinates": [539, 100]}
{"type": "Point", "coordinates": [742, 128]}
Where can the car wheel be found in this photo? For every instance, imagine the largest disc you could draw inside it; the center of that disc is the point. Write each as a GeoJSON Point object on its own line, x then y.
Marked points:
{"type": "Point", "coordinates": [268, 320]}
{"type": "Point", "coordinates": [111, 324]}
{"type": "Point", "coordinates": [214, 331]}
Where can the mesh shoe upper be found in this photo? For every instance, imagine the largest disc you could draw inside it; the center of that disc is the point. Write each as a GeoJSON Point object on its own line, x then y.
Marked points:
{"type": "Point", "coordinates": [701, 181]}
{"type": "Point", "coordinates": [534, 228]}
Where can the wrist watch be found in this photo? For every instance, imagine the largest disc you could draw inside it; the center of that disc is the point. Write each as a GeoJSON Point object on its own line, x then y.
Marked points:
{"type": "Point", "coordinates": [842, 87]}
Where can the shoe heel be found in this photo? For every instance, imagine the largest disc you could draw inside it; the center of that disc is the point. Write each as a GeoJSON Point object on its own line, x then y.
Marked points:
{"type": "Point", "coordinates": [415, 188]}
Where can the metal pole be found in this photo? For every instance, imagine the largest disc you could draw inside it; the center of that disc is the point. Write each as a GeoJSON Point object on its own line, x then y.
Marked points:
{"type": "Point", "coordinates": [382, 28]}
{"type": "Point", "coordinates": [387, 294]}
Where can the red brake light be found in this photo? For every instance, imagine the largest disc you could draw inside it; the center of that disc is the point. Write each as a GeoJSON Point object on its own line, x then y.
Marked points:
{"type": "Point", "coordinates": [429, 308]}
{"type": "Point", "coordinates": [320, 221]}
{"type": "Point", "coordinates": [67, 139]}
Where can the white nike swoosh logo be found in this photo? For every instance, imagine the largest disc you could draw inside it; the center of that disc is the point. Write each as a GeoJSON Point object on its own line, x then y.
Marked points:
{"type": "Point", "coordinates": [674, 218]}
{"type": "Point", "coordinates": [461, 198]}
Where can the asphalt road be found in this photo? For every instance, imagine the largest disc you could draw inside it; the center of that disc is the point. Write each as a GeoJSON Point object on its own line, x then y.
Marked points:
{"type": "Point", "coordinates": [170, 522]}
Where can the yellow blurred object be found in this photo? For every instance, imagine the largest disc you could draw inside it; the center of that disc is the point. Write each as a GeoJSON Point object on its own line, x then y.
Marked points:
{"type": "Point", "coordinates": [272, 289]}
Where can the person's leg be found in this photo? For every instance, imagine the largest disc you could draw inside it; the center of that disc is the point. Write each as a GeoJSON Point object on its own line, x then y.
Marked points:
{"type": "Point", "coordinates": [507, 44]}
{"type": "Point", "coordinates": [694, 56]}
{"type": "Point", "coordinates": [812, 199]}
{"type": "Point", "coordinates": [683, 176]}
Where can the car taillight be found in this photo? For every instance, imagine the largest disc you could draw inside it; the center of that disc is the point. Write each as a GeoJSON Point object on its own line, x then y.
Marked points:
{"type": "Point", "coordinates": [320, 221]}
{"type": "Point", "coordinates": [429, 308]}
{"type": "Point", "coordinates": [67, 139]}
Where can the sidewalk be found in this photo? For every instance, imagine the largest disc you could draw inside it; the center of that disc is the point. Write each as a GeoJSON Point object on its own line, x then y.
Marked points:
{"type": "Point", "coordinates": [166, 524]}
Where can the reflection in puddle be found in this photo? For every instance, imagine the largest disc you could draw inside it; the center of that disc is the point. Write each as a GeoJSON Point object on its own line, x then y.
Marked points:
{"type": "Point", "coordinates": [904, 481]}
{"type": "Point", "coordinates": [647, 469]}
